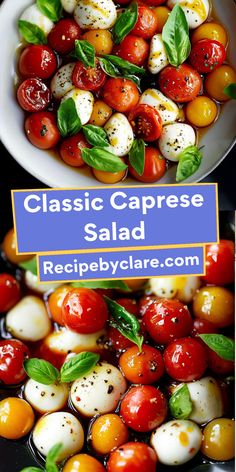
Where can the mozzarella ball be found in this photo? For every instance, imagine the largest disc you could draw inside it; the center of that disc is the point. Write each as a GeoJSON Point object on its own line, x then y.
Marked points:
{"type": "Point", "coordinates": [174, 139]}
{"type": "Point", "coordinates": [166, 108]}
{"type": "Point", "coordinates": [69, 5]}
{"type": "Point", "coordinates": [31, 281]}
{"type": "Point", "coordinates": [62, 81]}
{"type": "Point", "coordinates": [33, 15]}
{"type": "Point", "coordinates": [83, 102]}
{"type": "Point", "coordinates": [120, 134]}
{"type": "Point", "coordinates": [59, 427]}
{"type": "Point", "coordinates": [46, 398]}
{"type": "Point", "coordinates": [180, 287]}
{"type": "Point", "coordinates": [95, 14]}
{"type": "Point", "coordinates": [196, 11]}
{"type": "Point", "coordinates": [28, 320]}
{"type": "Point", "coordinates": [176, 442]}
{"type": "Point", "coordinates": [66, 341]}
{"type": "Point", "coordinates": [157, 57]}
{"type": "Point", "coordinates": [98, 392]}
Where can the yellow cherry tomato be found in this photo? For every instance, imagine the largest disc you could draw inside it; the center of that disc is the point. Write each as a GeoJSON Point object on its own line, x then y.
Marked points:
{"type": "Point", "coordinates": [201, 111]}
{"type": "Point", "coordinates": [83, 463]}
{"type": "Point", "coordinates": [55, 302]}
{"type": "Point", "coordinates": [218, 440]}
{"type": "Point", "coordinates": [109, 177]}
{"type": "Point", "coordinates": [101, 113]}
{"type": "Point", "coordinates": [16, 418]}
{"type": "Point", "coordinates": [215, 304]}
{"type": "Point", "coordinates": [210, 30]}
{"type": "Point", "coordinates": [100, 39]}
{"type": "Point", "coordinates": [107, 433]}
{"type": "Point", "coordinates": [135, 284]}
{"type": "Point", "coordinates": [217, 80]}
{"type": "Point", "coordinates": [162, 14]}
{"type": "Point", "coordinates": [9, 248]}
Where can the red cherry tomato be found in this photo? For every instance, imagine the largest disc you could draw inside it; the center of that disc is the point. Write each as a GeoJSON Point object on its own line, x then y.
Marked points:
{"type": "Point", "coordinates": [117, 341]}
{"type": "Point", "coordinates": [120, 94]}
{"type": "Point", "coordinates": [145, 302]}
{"type": "Point", "coordinates": [84, 311]}
{"type": "Point", "coordinates": [41, 130]}
{"type": "Point", "coordinates": [143, 408]}
{"type": "Point", "coordinates": [129, 304]}
{"type": "Point", "coordinates": [185, 360]}
{"type": "Point", "coordinates": [154, 166]}
{"type": "Point", "coordinates": [147, 22]}
{"type": "Point", "coordinates": [133, 49]}
{"type": "Point", "coordinates": [144, 367]}
{"type": "Point", "coordinates": [181, 84]}
{"type": "Point", "coordinates": [9, 292]}
{"type": "Point", "coordinates": [155, 3]}
{"type": "Point", "coordinates": [132, 457]}
{"type": "Point", "coordinates": [201, 326]}
{"type": "Point", "coordinates": [220, 263]}
{"type": "Point", "coordinates": [63, 35]}
{"type": "Point", "coordinates": [12, 355]}
{"type": "Point", "coordinates": [207, 55]}
{"type": "Point", "coordinates": [88, 78]}
{"type": "Point", "coordinates": [37, 61]}
{"type": "Point", "coordinates": [166, 320]}
{"type": "Point", "coordinates": [70, 150]}
{"type": "Point", "coordinates": [146, 122]}
{"type": "Point", "coordinates": [33, 95]}
{"type": "Point", "coordinates": [218, 365]}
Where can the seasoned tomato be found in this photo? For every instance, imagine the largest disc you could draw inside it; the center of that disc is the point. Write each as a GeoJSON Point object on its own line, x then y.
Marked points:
{"type": "Point", "coordinates": [100, 39]}
{"type": "Point", "coordinates": [107, 433]}
{"type": "Point", "coordinates": [16, 418]}
{"type": "Point", "coordinates": [83, 463]}
{"type": "Point", "coordinates": [9, 248]}
{"type": "Point", "coordinates": [202, 111]}
{"type": "Point", "coordinates": [117, 341]}
{"type": "Point", "coordinates": [70, 150]}
{"type": "Point", "coordinates": [210, 30]}
{"type": "Point", "coordinates": [100, 114]}
{"type": "Point", "coordinates": [33, 95]}
{"type": "Point", "coordinates": [201, 326]}
{"type": "Point", "coordinates": [88, 78]}
{"type": "Point", "coordinates": [109, 177]}
{"type": "Point", "coordinates": [120, 94]}
{"type": "Point", "coordinates": [133, 49]}
{"type": "Point", "coordinates": [218, 365]}
{"type": "Point", "coordinates": [214, 304]}
{"type": "Point", "coordinates": [207, 55]}
{"type": "Point", "coordinates": [129, 304]}
{"type": "Point", "coordinates": [162, 14]}
{"type": "Point", "coordinates": [218, 439]}
{"type": "Point", "coordinates": [185, 360]}
{"type": "Point", "coordinates": [145, 367]}
{"type": "Point", "coordinates": [63, 35]}
{"type": "Point", "coordinates": [12, 355]}
{"type": "Point", "coordinates": [9, 292]}
{"type": "Point", "coordinates": [41, 130]}
{"type": "Point", "coordinates": [154, 166]}
{"type": "Point", "coordinates": [132, 457]}
{"type": "Point", "coordinates": [217, 80]}
{"type": "Point", "coordinates": [146, 122]}
{"type": "Point", "coordinates": [146, 25]}
{"type": "Point", "coordinates": [181, 84]}
{"type": "Point", "coordinates": [55, 302]}
{"type": "Point", "coordinates": [220, 263]}
{"type": "Point", "coordinates": [37, 61]}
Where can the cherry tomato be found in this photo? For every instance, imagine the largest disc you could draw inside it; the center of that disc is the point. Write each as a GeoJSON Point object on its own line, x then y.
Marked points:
{"type": "Point", "coordinates": [9, 249]}
{"type": "Point", "coordinates": [162, 14]}
{"type": "Point", "coordinates": [210, 30]}
{"type": "Point", "coordinates": [100, 39]}
{"type": "Point", "coordinates": [143, 408]}
{"type": "Point", "coordinates": [218, 439]}
{"type": "Point", "coordinates": [9, 292]}
{"type": "Point", "coordinates": [120, 94]}
{"type": "Point", "coordinates": [37, 61]}
{"type": "Point", "coordinates": [132, 457]}
{"type": "Point", "coordinates": [154, 166]}
{"type": "Point", "coordinates": [201, 326]}
{"type": "Point", "coordinates": [83, 463]}
{"type": "Point", "coordinates": [33, 95]}
{"type": "Point", "coordinates": [214, 304]}
{"type": "Point", "coordinates": [63, 35]}
{"type": "Point", "coordinates": [84, 311]}
{"type": "Point", "coordinates": [217, 80]}
{"type": "Point", "coordinates": [117, 341]}
{"type": "Point", "coordinates": [202, 111]}
{"type": "Point", "coordinates": [133, 49]}
{"type": "Point", "coordinates": [218, 365]}
{"type": "Point", "coordinates": [180, 84]}
{"type": "Point", "coordinates": [155, 3]}
{"type": "Point", "coordinates": [185, 360]}
{"type": "Point", "coordinates": [146, 25]}
{"type": "Point", "coordinates": [55, 303]}
{"type": "Point", "coordinates": [88, 78]}
{"type": "Point", "coordinates": [101, 113]}
{"type": "Point", "coordinates": [129, 304]}
{"type": "Point", "coordinates": [107, 433]}
{"type": "Point", "coordinates": [144, 366]}
{"type": "Point", "coordinates": [207, 55]}
{"type": "Point", "coordinates": [220, 263]}
{"type": "Point", "coordinates": [109, 177]}
{"type": "Point", "coordinates": [41, 130]}
{"type": "Point", "coordinates": [16, 418]}
{"type": "Point", "coordinates": [70, 150]}
{"type": "Point", "coordinates": [146, 122]}
{"type": "Point", "coordinates": [135, 284]}
{"type": "Point", "coordinates": [145, 302]}
{"type": "Point", "coordinates": [12, 355]}
{"type": "Point", "coordinates": [166, 320]}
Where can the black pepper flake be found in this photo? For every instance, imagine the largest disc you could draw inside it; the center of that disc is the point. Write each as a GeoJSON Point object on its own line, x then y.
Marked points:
{"type": "Point", "coordinates": [110, 389]}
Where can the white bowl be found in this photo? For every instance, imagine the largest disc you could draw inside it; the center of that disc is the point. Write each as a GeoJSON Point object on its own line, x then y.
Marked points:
{"type": "Point", "coordinates": [47, 167]}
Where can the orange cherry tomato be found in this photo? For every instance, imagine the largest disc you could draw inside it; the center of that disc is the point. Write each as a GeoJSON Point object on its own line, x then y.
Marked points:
{"type": "Point", "coordinates": [121, 94]}
{"type": "Point", "coordinates": [107, 433]}
{"type": "Point", "coordinates": [83, 463]}
{"type": "Point", "coordinates": [55, 303]}
{"type": "Point", "coordinates": [133, 49]}
{"type": "Point", "coordinates": [16, 418]}
{"type": "Point", "coordinates": [144, 367]}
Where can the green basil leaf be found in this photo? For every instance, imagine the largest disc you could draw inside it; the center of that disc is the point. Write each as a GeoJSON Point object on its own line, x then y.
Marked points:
{"type": "Point", "coordinates": [180, 403]}
{"type": "Point", "coordinates": [137, 156]}
{"type": "Point", "coordinates": [223, 346]}
{"type": "Point", "coordinates": [108, 67]}
{"type": "Point", "coordinates": [105, 284]}
{"type": "Point", "coordinates": [96, 135]}
{"type": "Point", "coordinates": [230, 90]}
{"type": "Point", "coordinates": [30, 265]}
{"type": "Point", "coordinates": [125, 67]}
{"type": "Point", "coordinates": [51, 8]}
{"type": "Point", "coordinates": [125, 23]}
{"type": "Point", "coordinates": [31, 469]}
{"type": "Point", "coordinates": [189, 162]}
{"type": "Point", "coordinates": [31, 33]}
{"type": "Point", "coordinates": [78, 366]}
{"type": "Point", "coordinates": [125, 322]}
{"type": "Point", "coordinates": [85, 52]}
{"type": "Point", "coordinates": [52, 458]}
{"type": "Point", "coordinates": [175, 36]}
{"type": "Point", "coordinates": [68, 120]}
{"type": "Point", "coordinates": [41, 371]}
{"type": "Point", "coordinates": [101, 159]}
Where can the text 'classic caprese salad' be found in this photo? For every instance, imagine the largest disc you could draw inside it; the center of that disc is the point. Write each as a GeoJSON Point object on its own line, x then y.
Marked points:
{"type": "Point", "coordinates": [123, 86]}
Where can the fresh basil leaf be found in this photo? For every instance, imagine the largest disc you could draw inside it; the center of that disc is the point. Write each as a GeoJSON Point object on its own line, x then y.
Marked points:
{"type": "Point", "coordinates": [51, 8]}
{"type": "Point", "coordinates": [125, 67]}
{"type": "Point", "coordinates": [31, 469]}
{"type": "Point", "coordinates": [223, 346]}
{"type": "Point", "coordinates": [175, 36]}
{"type": "Point", "coordinates": [68, 120]}
{"type": "Point", "coordinates": [31, 33]}
{"type": "Point", "coordinates": [101, 159]}
{"type": "Point", "coordinates": [108, 67]}
{"type": "Point", "coordinates": [137, 156]}
{"type": "Point", "coordinates": [85, 52]}
{"type": "Point", "coordinates": [125, 322]}
{"type": "Point", "coordinates": [125, 23]}
{"type": "Point", "coordinates": [230, 90]}
{"type": "Point", "coordinates": [96, 135]}
{"type": "Point", "coordinates": [105, 284]}
{"type": "Point", "coordinates": [30, 265]}
{"type": "Point", "coordinates": [78, 366]}
{"type": "Point", "coordinates": [189, 162]}
{"type": "Point", "coordinates": [52, 458]}
{"type": "Point", "coordinates": [134, 79]}
{"type": "Point", "coordinates": [41, 371]}
{"type": "Point", "coordinates": [180, 403]}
